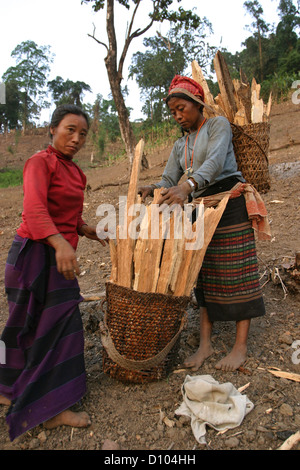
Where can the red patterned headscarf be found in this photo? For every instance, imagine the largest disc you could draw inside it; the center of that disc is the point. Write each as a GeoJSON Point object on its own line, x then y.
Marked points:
{"type": "Point", "coordinates": [187, 86]}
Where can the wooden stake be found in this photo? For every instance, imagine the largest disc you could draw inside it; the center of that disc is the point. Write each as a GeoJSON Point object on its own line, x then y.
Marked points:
{"type": "Point", "coordinates": [193, 259]}
{"type": "Point", "coordinates": [199, 78]}
{"type": "Point", "coordinates": [225, 85]}
{"type": "Point", "coordinates": [125, 246]}
{"type": "Point", "coordinates": [148, 250]}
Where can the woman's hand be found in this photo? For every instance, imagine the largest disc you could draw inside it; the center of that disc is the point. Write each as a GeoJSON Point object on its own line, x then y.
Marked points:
{"type": "Point", "coordinates": [91, 233]}
{"type": "Point", "coordinates": [175, 194]}
{"type": "Point", "coordinates": [145, 191]}
{"type": "Point", "coordinates": [66, 261]}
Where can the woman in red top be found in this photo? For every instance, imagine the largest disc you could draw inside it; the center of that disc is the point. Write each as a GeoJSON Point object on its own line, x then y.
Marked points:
{"type": "Point", "coordinates": [44, 374]}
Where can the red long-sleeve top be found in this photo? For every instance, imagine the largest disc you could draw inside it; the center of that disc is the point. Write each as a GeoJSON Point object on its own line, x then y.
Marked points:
{"type": "Point", "coordinates": [53, 188]}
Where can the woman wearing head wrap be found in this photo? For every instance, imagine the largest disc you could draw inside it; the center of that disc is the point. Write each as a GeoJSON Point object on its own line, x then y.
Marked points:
{"type": "Point", "coordinates": [44, 372]}
{"type": "Point", "coordinates": [228, 283]}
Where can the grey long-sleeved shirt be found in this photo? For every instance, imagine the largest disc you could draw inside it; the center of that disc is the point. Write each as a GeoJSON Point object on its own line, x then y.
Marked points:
{"type": "Point", "coordinates": [213, 160]}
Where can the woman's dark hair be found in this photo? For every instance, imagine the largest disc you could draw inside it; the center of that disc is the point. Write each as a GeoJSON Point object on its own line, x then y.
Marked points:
{"type": "Point", "coordinates": [61, 111]}
{"type": "Point", "coordinates": [184, 97]}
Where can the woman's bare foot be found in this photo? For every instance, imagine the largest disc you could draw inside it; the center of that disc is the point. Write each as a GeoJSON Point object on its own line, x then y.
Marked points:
{"type": "Point", "coordinates": [233, 360]}
{"type": "Point", "coordinates": [4, 401]}
{"type": "Point", "coordinates": [69, 418]}
{"type": "Point", "coordinates": [196, 360]}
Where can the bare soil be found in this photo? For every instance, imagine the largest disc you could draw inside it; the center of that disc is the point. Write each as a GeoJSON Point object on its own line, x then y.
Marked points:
{"type": "Point", "coordinates": [132, 414]}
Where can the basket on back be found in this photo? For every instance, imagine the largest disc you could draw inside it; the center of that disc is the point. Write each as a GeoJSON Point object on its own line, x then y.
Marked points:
{"type": "Point", "coordinates": [242, 105]}
{"type": "Point", "coordinates": [251, 144]}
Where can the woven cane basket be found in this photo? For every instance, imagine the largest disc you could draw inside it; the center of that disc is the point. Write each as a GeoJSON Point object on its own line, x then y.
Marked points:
{"type": "Point", "coordinates": [140, 334]}
{"type": "Point", "coordinates": [251, 145]}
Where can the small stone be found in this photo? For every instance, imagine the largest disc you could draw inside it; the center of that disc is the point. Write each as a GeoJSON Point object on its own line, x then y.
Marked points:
{"type": "Point", "coordinates": [286, 409]}
{"type": "Point", "coordinates": [250, 435]}
{"type": "Point", "coordinates": [110, 445]}
{"type": "Point", "coordinates": [232, 442]}
{"type": "Point", "coordinates": [286, 338]}
{"type": "Point", "coordinates": [34, 444]}
{"type": "Point", "coordinates": [261, 440]}
{"type": "Point", "coordinates": [42, 436]}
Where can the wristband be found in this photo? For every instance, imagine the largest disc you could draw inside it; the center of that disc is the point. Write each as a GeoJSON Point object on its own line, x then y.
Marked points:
{"type": "Point", "coordinates": [192, 184]}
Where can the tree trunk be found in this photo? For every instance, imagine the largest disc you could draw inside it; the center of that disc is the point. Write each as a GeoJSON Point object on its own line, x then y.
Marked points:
{"type": "Point", "coordinates": [124, 122]}
{"type": "Point", "coordinates": [260, 56]}
{"type": "Point", "coordinates": [115, 78]}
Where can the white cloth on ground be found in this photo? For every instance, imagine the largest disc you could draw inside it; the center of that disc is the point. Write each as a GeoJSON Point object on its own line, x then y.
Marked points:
{"type": "Point", "coordinates": [206, 402]}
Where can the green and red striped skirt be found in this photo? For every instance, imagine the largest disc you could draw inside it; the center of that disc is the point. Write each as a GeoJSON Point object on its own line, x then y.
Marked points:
{"type": "Point", "coordinates": [228, 283]}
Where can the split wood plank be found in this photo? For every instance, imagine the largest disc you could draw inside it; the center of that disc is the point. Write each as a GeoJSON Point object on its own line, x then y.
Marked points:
{"type": "Point", "coordinates": [290, 442]}
{"type": "Point", "coordinates": [267, 109]}
{"type": "Point", "coordinates": [242, 94]}
{"type": "Point", "coordinates": [170, 252]}
{"type": "Point", "coordinates": [225, 85]}
{"type": "Point", "coordinates": [180, 253]}
{"type": "Point", "coordinates": [114, 261]}
{"type": "Point", "coordinates": [286, 375]}
{"type": "Point", "coordinates": [257, 111]}
{"type": "Point", "coordinates": [212, 109]}
{"type": "Point", "coordinates": [148, 250]}
{"type": "Point", "coordinates": [193, 259]}
{"type": "Point", "coordinates": [125, 243]}
{"type": "Point", "coordinates": [198, 76]}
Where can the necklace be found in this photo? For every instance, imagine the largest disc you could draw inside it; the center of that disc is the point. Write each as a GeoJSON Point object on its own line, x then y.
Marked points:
{"type": "Point", "coordinates": [189, 171]}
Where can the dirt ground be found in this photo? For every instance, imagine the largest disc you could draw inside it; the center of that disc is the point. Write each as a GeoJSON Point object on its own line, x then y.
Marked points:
{"type": "Point", "coordinates": [133, 415]}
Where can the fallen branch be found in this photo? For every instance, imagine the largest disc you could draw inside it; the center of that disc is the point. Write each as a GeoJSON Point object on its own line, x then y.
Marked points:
{"type": "Point", "coordinates": [285, 146]}
{"type": "Point", "coordinates": [285, 375]}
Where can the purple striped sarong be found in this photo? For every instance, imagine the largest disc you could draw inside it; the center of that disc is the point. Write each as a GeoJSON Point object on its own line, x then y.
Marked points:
{"type": "Point", "coordinates": [44, 373]}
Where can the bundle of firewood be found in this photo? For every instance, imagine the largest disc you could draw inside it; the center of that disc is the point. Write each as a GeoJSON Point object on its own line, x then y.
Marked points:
{"type": "Point", "coordinates": [165, 258]}
{"type": "Point", "coordinates": [239, 101]}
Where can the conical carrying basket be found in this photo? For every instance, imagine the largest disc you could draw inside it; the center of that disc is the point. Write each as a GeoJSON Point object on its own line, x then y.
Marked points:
{"type": "Point", "coordinates": [140, 333]}
{"type": "Point", "coordinates": [251, 146]}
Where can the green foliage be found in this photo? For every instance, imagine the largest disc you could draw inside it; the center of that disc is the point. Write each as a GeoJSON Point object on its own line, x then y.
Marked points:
{"type": "Point", "coordinates": [279, 84]}
{"type": "Point", "coordinates": [67, 91]}
{"type": "Point", "coordinates": [9, 177]}
{"type": "Point", "coordinates": [166, 57]}
{"type": "Point", "coordinates": [28, 77]}
{"type": "Point", "coordinates": [272, 59]}
{"type": "Point", "coordinates": [160, 11]}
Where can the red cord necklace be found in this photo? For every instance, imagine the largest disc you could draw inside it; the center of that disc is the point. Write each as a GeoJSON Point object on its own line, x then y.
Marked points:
{"type": "Point", "coordinates": [189, 171]}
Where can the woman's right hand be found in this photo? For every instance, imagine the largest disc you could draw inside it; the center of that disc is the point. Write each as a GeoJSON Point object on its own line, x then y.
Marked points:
{"type": "Point", "coordinates": [66, 261]}
{"type": "Point", "coordinates": [145, 191]}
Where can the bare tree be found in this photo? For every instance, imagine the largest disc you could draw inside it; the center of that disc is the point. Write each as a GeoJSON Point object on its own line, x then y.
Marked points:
{"type": "Point", "coordinates": [114, 67]}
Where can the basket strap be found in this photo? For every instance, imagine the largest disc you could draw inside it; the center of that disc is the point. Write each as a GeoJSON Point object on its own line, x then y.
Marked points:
{"type": "Point", "coordinates": [132, 364]}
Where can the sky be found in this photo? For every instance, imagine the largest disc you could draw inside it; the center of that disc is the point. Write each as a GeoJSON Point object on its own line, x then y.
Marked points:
{"type": "Point", "coordinates": [65, 24]}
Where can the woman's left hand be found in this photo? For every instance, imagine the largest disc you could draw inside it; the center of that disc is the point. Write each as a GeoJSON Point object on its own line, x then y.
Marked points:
{"type": "Point", "coordinates": [175, 194]}
{"type": "Point", "coordinates": [91, 233]}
